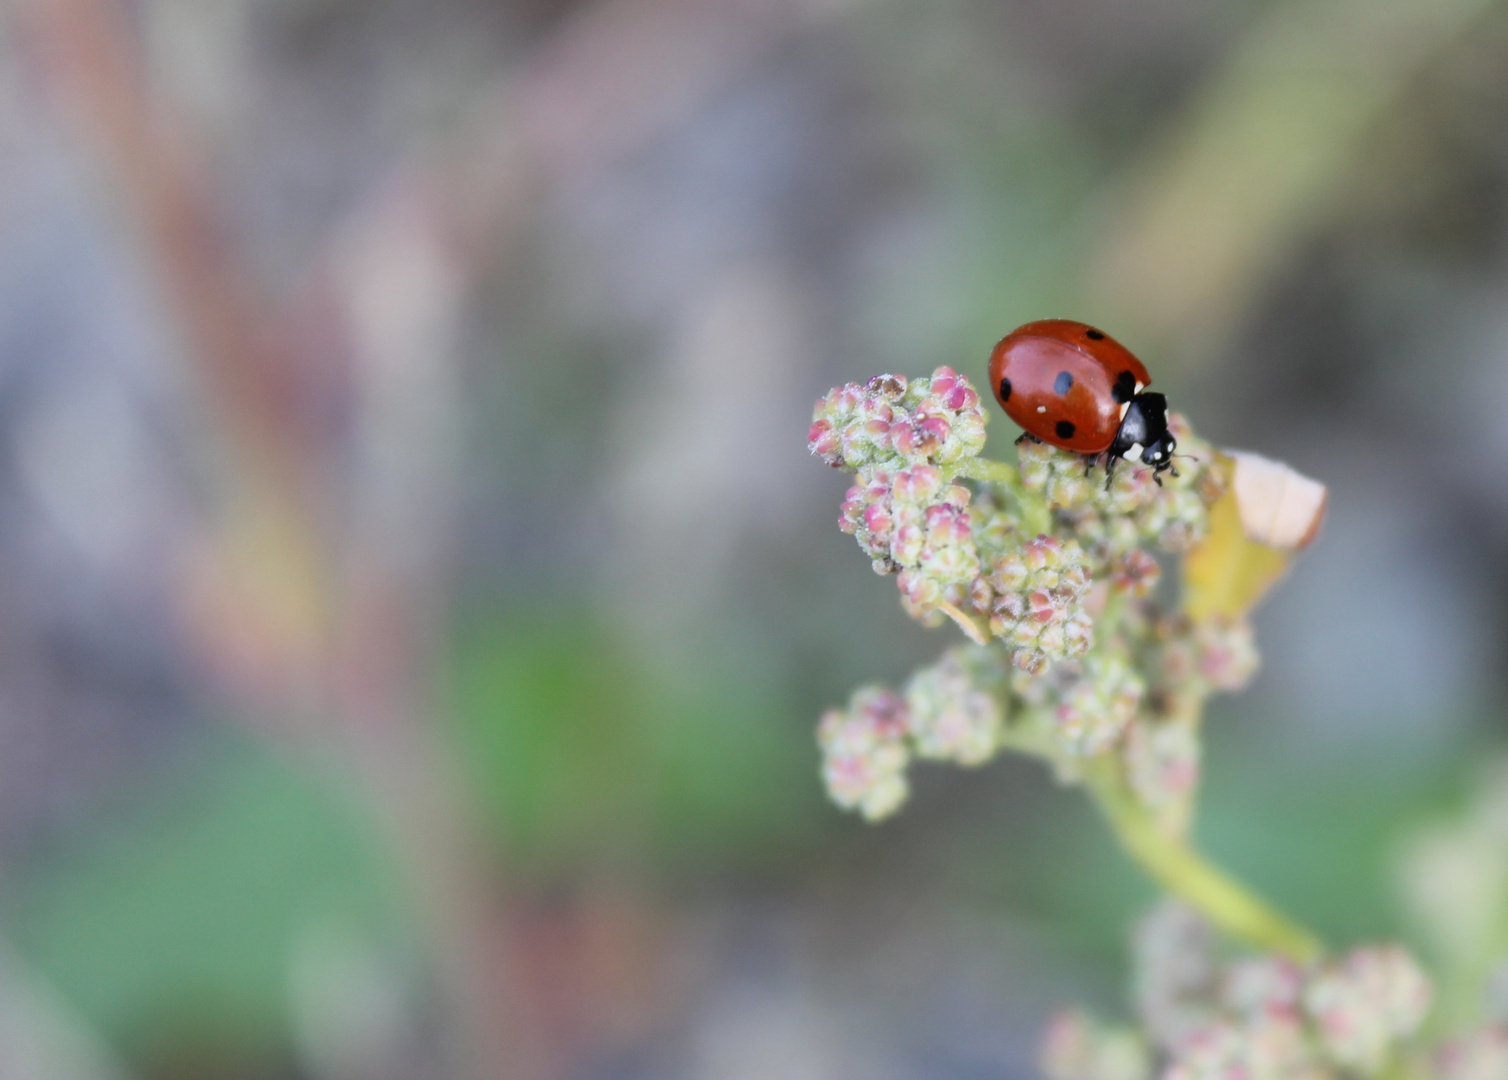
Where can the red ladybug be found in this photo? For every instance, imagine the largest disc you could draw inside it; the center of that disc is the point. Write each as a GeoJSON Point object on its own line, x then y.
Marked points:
{"type": "Point", "coordinates": [1076, 387]}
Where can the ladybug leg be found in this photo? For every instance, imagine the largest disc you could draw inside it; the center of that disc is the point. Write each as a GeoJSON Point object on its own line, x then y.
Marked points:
{"type": "Point", "coordinates": [1110, 460]}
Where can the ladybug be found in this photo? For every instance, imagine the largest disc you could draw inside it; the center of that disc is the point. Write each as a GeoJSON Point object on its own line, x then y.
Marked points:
{"type": "Point", "coordinates": [1078, 388]}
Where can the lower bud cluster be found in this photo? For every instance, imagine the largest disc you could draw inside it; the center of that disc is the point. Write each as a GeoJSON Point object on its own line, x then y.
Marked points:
{"type": "Point", "coordinates": [949, 711]}
{"type": "Point", "coordinates": [1255, 1018]}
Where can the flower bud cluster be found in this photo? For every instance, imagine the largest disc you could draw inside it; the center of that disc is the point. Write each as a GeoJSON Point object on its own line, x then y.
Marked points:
{"type": "Point", "coordinates": [1195, 659]}
{"type": "Point", "coordinates": [1175, 975]}
{"type": "Point", "coordinates": [1085, 706]}
{"type": "Point", "coordinates": [1481, 1055]}
{"type": "Point", "coordinates": [912, 523]}
{"type": "Point", "coordinates": [1365, 1004]}
{"type": "Point", "coordinates": [1078, 1047]}
{"type": "Point", "coordinates": [950, 711]}
{"type": "Point", "coordinates": [1034, 599]}
{"type": "Point", "coordinates": [1135, 573]}
{"type": "Point", "coordinates": [1138, 506]}
{"type": "Point", "coordinates": [1269, 1017]}
{"type": "Point", "coordinates": [1036, 590]}
{"type": "Point", "coordinates": [955, 711]}
{"type": "Point", "coordinates": [997, 531]}
{"type": "Point", "coordinates": [1094, 712]}
{"type": "Point", "coordinates": [890, 421]}
{"type": "Point", "coordinates": [1268, 1047]}
{"type": "Point", "coordinates": [864, 752]}
{"type": "Point", "coordinates": [1162, 761]}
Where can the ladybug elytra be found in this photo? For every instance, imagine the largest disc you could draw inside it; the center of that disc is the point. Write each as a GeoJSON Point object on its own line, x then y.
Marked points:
{"type": "Point", "coordinates": [1077, 388]}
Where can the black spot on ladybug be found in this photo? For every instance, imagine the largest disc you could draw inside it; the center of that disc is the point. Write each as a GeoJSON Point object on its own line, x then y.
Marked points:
{"type": "Point", "coordinates": [1064, 429]}
{"type": "Point", "coordinates": [1125, 387]}
{"type": "Point", "coordinates": [1094, 335]}
{"type": "Point", "coordinates": [1005, 390]}
{"type": "Point", "coordinates": [1062, 384]}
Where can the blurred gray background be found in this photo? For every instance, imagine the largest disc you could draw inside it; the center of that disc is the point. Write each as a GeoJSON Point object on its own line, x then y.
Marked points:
{"type": "Point", "coordinates": [415, 594]}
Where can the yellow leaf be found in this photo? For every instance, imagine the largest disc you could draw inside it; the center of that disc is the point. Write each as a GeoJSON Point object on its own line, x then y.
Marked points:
{"type": "Point", "coordinates": [1226, 573]}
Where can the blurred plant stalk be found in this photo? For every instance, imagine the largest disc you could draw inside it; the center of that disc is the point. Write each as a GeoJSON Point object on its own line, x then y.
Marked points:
{"type": "Point", "coordinates": [321, 622]}
{"type": "Point", "coordinates": [323, 625]}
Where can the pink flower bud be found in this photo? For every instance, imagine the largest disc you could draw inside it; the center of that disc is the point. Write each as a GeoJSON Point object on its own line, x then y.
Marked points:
{"type": "Point", "coordinates": [906, 545]}
{"type": "Point", "coordinates": [823, 441]}
{"type": "Point", "coordinates": [933, 431]}
{"type": "Point", "coordinates": [918, 484]}
{"type": "Point", "coordinates": [1227, 653]}
{"type": "Point", "coordinates": [1031, 661]}
{"type": "Point", "coordinates": [1162, 761]}
{"type": "Point", "coordinates": [1136, 572]}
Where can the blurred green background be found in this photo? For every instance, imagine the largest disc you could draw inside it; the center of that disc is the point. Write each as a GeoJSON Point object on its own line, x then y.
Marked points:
{"type": "Point", "coordinates": [416, 597]}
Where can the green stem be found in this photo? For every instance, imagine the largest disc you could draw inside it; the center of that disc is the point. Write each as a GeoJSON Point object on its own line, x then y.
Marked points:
{"type": "Point", "coordinates": [1180, 870]}
{"type": "Point", "coordinates": [993, 472]}
{"type": "Point", "coordinates": [1036, 518]}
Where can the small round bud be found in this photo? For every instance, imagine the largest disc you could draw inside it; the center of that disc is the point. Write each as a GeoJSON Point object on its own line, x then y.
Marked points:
{"type": "Point", "coordinates": [1135, 573]}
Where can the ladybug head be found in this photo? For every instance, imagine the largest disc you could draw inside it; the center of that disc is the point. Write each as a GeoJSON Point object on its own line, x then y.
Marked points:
{"type": "Point", "coordinates": [1144, 434]}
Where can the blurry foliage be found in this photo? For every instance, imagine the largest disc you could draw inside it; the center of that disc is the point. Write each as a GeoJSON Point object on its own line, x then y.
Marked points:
{"type": "Point", "coordinates": [174, 924]}
{"type": "Point", "coordinates": [1325, 839]}
{"type": "Point", "coordinates": [582, 754]}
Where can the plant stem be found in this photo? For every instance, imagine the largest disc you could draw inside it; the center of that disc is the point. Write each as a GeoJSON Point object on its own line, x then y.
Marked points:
{"type": "Point", "coordinates": [1180, 870]}
{"type": "Point", "coordinates": [1035, 516]}
{"type": "Point", "coordinates": [993, 472]}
